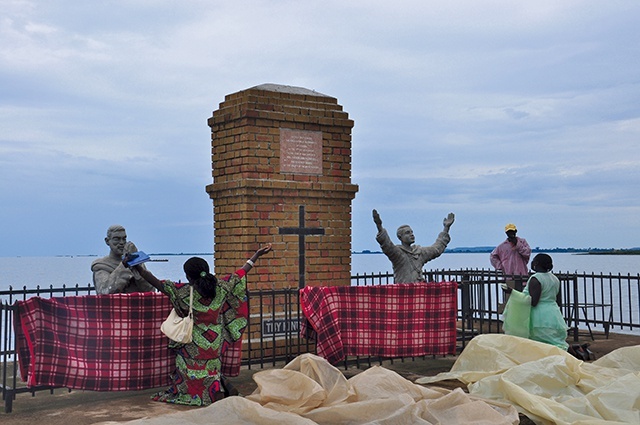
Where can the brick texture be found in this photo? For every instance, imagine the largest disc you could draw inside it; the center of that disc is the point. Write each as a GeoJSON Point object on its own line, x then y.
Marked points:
{"type": "Point", "coordinates": [253, 198]}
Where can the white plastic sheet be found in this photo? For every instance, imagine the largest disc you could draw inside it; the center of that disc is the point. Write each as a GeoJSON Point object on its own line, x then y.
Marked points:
{"type": "Point", "coordinates": [311, 391]}
{"type": "Point", "coordinates": [549, 385]}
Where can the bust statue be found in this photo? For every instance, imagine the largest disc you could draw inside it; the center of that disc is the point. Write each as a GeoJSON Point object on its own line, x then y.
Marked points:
{"type": "Point", "coordinates": [110, 276]}
{"type": "Point", "coordinates": [408, 259]}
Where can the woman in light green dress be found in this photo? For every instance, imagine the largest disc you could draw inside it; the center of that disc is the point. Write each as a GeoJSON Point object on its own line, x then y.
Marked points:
{"type": "Point", "coordinates": [542, 293]}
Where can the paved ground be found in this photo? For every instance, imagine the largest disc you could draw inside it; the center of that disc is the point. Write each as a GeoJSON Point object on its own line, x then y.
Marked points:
{"type": "Point", "coordinates": [87, 407]}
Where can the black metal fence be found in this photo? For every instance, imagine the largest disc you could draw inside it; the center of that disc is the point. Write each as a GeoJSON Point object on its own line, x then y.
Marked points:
{"type": "Point", "coordinates": [10, 382]}
{"type": "Point", "coordinates": [591, 302]}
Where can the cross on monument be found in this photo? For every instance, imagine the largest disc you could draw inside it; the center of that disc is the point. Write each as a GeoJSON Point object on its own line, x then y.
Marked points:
{"type": "Point", "coordinates": [302, 232]}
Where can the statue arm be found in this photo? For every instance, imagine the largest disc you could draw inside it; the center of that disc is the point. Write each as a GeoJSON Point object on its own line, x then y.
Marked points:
{"type": "Point", "coordinates": [149, 278]}
{"type": "Point", "coordinates": [448, 221]}
{"type": "Point", "coordinates": [378, 221]}
{"type": "Point", "coordinates": [108, 280]}
{"type": "Point", "coordinates": [384, 241]}
{"type": "Point", "coordinates": [438, 247]}
{"type": "Point", "coordinates": [144, 285]}
{"type": "Point", "coordinates": [443, 238]}
{"type": "Point", "coordinates": [388, 247]}
{"type": "Point", "coordinates": [428, 253]}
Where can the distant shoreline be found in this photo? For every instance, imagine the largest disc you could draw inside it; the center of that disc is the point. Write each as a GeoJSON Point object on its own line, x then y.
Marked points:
{"type": "Point", "coordinates": [487, 250]}
{"type": "Point", "coordinates": [615, 252]}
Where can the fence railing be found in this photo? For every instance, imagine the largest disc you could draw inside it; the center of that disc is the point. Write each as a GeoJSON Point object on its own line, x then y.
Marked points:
{"type": "Point", "coordinates": [591, 302]}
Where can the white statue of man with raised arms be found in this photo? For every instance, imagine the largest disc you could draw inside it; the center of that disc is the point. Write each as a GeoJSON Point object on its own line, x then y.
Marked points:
{"type": "Point", "coordinates": [408, 259]}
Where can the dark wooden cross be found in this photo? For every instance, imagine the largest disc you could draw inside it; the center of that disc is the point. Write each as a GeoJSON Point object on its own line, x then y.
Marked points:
{"type": "Point", "coordinates": [302, 232]}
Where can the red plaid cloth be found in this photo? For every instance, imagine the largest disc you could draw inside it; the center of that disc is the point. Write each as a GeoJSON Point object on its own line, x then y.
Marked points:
{"type": "Point", "coordinates": [99, 342]}
{"type": "Point", "coordinates": [398, 320]}
{"type": "Point", "coordinates": [231, 357]}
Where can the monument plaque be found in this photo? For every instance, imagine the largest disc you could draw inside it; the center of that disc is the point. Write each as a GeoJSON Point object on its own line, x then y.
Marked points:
{"type": "Point", "coordinates": [300, 151]}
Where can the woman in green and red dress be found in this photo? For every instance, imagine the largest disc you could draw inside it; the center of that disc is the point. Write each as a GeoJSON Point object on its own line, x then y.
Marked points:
{"type": "Point", "coordinates": [217, 323]}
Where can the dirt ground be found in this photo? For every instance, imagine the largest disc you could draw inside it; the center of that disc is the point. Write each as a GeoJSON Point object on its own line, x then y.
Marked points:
{"type": "Point", "coordinates": [88, 407]}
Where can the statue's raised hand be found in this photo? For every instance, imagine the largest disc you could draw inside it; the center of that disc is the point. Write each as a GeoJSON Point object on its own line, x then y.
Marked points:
{"type": "Point", "coordinates": [130, 248]}
{"type": "Point", "coordinates": [377, 219]}
{"type": "Point", "coordinates": [448, 221]}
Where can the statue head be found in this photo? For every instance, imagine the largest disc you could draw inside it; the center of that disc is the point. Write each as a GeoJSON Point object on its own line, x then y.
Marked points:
{"type": "Point", "coordinates": [405, 234]}
{"type": "Point", "coordinates": [116, 239]}
{"type": "Point", "coordinates": [114, 228]}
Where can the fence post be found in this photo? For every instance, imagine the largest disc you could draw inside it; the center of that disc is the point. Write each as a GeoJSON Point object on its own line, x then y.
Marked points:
{"type": "Point", "coordinates": [466, 303]}
{"type": "Point", "coordinates": [576, 309]}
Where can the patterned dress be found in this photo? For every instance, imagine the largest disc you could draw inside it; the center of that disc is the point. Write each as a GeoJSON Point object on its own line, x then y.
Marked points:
{"type": "Point", "coordinates": [196, 380]}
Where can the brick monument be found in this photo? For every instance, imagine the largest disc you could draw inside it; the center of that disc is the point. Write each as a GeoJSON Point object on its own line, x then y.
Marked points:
{"type": "Point", "coordinates": [281, 160]}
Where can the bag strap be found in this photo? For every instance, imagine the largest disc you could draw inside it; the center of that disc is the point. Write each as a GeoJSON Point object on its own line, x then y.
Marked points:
{"type": "Point", "coordinates": [191, 302]}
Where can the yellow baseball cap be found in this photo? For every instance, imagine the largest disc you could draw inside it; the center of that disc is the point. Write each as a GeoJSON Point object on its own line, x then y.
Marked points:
{"type": "Point", "coordinates": [510, 226]}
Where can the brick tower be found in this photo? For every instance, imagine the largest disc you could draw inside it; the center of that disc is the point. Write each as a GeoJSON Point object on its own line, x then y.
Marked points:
{"type": "Point", "coordinates": [281, 160]}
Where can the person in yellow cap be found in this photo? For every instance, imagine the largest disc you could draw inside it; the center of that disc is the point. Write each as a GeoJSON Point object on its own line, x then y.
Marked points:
{"type": "Point", "coordinates": [512, 256]}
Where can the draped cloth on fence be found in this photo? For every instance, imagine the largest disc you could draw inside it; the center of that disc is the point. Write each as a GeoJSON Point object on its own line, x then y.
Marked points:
{"type": "Point", "coordinates": [398, 320]}
{"type": "Point", "coordinates": [99, 342]}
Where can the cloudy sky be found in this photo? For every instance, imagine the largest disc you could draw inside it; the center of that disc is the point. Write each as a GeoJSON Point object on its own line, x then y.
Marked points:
{"type": "Point", "coordinates": [499, 111]}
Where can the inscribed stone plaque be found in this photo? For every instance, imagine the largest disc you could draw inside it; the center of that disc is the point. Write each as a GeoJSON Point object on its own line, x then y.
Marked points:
{"type": "Point", "coordinates": [300, 151]}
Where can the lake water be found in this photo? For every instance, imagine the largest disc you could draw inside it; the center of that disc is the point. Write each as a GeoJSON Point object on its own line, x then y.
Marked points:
{"type": "Point", "coordinates": [57, 271]}
{"type": "Point", "coordinates": [562, 262]}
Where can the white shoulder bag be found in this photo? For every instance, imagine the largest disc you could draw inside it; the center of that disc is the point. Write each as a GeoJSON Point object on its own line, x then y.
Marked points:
{"type": "Point", "coordinates": [179, 329]}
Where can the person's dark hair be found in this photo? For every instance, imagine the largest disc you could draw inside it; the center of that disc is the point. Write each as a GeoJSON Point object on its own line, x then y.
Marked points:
{"type": "Point", "coordinates": [543, 262]}
{"type": "Point", "coordinates": [197, 271]}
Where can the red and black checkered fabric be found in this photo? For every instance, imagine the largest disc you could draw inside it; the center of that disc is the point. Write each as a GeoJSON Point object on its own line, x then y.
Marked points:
{"type": "Point", "coordinates": [99, 342]}
{"type": "Point", "coordinates": [399, 320]}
